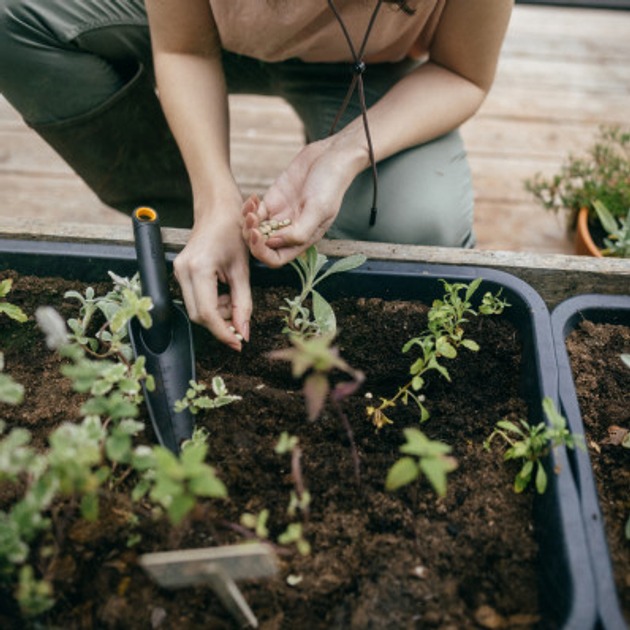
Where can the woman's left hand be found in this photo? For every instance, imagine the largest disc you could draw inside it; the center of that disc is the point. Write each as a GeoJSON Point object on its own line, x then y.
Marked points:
{"type": "Point", "coordinates": [300, 206]}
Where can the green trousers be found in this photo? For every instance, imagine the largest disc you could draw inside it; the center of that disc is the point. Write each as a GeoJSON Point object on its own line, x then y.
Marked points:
{"type": "Point", "coordinates": [80, 74]}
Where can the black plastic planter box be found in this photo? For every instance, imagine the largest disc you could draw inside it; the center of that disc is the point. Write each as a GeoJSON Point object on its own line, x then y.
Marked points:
{"type": "Point", "coordinates": [567, 589]}
{"type": "Point", "coordinates": [609, 309]}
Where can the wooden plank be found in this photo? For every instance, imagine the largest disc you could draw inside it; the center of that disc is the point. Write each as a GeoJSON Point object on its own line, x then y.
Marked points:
{"type": "Point", "coordinates": [555, 276]}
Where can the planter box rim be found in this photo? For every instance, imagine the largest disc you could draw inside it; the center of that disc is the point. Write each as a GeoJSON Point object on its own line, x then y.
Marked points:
{"type": "Point", "coordinates": [565, 317]}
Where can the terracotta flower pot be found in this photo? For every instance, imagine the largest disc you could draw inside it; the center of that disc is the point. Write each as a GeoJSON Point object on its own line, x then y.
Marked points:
{"type": "Point", "coordinates": [584, 244]}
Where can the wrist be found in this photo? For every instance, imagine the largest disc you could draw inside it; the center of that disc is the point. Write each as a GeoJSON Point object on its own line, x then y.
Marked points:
{"type": "Point", "coordinates": [216, 198]}
{"type": "Point", "coordinates": [350, 148]}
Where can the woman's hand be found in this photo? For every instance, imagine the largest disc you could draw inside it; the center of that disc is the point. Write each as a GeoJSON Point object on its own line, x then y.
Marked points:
{"type": "Point", "coordinates": [307, 195]}
{"type": "Point", "coordinates": [215, 253]}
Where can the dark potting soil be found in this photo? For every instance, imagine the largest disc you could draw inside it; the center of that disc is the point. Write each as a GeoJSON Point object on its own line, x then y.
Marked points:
{"type": "Point", "coordinates": [602, 383]}
{"type": "Point", "coordinates": [404, 559]}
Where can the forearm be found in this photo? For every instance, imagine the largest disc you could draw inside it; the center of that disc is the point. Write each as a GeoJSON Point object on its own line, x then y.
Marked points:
{"type": "Point", "coordinates": [426, 104]}
{"type": "Point", "coordinates": [193, 96]}
{"type": "Point", "coordinates": [444, 92]}
{"type": "Point", "coordinates": [191, 86]}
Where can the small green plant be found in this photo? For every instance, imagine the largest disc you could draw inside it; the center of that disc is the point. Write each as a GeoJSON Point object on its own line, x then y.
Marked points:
{"type": "Point", "coordinates": [310, 267]}
{"type": "Point", "coordinates": [11, 392]}
{"type": "Point", "coordinates": [617, 241]}
{"type": "Point", "coordinates": [107, 336]}
{"type": "Point", "coordinates": [196, 399]}
{"type": "Point", "coordinates": [299, 501]}
{"type": "Point", "coordinates": [313, 359]}
{"type": "Point", "coordinates": [300, 498]}
{"type": "Point", "coordinates": [422, 457]}
{"type": "Point", "coordinates": [602, 173]}
{"type": "Point", "coordinates": [532, 443]}
{"type": "Point", "coordinates": [175, 482]}
{"type": "Point", "coordinates": [441, 340]}
{"type": "Point", "coordinates": [11, 310]}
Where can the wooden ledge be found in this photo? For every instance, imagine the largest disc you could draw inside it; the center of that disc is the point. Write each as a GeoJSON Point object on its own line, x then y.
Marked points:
{"type": "Point", "coordinates": [555, 276]}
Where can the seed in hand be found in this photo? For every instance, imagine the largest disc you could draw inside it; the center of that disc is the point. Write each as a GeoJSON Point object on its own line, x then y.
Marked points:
{"type": "Point", "coordinates": [270, 227]}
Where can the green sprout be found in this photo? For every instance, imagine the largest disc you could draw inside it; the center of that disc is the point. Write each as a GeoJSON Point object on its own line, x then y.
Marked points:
{"type": "Point", "coordinates": [617, 241]}
{"type": "Point", "coordinates": [423, 457]}
{"type": "Point", "coordinates": [531, 443]}
{"type": "Point", "coordinates": [441, 340]}
{"type": "Point", "coordinates": [196, 399]}
{"type": "Point", "coordinates": [310, 269]}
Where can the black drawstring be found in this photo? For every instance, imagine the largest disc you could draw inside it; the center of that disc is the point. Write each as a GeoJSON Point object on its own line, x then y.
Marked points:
{"type": "Point", "coordinates": [358, 68]}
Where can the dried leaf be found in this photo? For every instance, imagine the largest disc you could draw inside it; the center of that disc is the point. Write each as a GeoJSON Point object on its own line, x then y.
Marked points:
{"type": "Point", "coordinates": [488, 617]}
{"type": "Point", "coordinates": [616, 435]}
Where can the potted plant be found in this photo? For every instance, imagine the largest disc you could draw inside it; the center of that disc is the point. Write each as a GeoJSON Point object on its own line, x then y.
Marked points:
{"type": "Point", "coordinates": [353, 553]}
{"type": "Point", "coordinates": [602, 174]}
{"type": "Point", "coordinates": [592, 337]}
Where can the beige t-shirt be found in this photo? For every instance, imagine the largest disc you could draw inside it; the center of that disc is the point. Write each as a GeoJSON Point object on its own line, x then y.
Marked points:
{"type": "Point", "coordinates": [276, 30]}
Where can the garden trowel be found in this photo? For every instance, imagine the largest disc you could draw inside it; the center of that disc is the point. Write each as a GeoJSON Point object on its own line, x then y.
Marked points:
{"type": "Point", "coordinates": [167, 344]}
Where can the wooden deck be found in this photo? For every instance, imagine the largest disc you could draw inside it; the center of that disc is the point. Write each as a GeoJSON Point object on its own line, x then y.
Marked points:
{"type": "Point", "coordinates": [563, 72]}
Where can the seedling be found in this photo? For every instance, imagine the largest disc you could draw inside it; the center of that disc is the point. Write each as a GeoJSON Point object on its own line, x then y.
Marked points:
{"type": "Point", "coordinates": [11, 310]}
{"type": "Point", "coordinates": [532, 443]}
{"type": "Point", "coordinates": [299, 500]}
{"type": "Point", "coordinates": [176, 483]}
{"type": "Point", "coordinates": [117, 307]}
{"type": "Point", "coordinates": [617, 241]}
{"type": "Point", "coordinates": [441, 340]}
{"type": "Point", "coordinates": [196, 399]}
{"type": "Point", "coordinates": [300, 497]}
{"type": "Point", "coordinates": [423, 456]}
{"type": "Point", "coordinates": [314, 359]}
{"type": "Point", "coordinates": [310, 269]}
{"type": "Point", "coordinates": [10, 391]}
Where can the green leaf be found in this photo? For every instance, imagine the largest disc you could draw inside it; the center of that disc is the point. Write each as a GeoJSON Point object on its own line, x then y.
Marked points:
{"type": "Point", "coordinates": [14, 312]}
{"type": "Point", "coordinates": [541, 478]}
{"type": "Point", "coordinates": [10, 391]}
{"type": "Point", "coordinates": [208, 485]}
{"type": "Point", "coordinates": [315, 390]}
{"type": "Point", "coordinates": [416, 442]}
{"type": "Point", "coordinates": [89, 507]}
{"type": "Point", "coordinates": [471, 345]}
{"type": "Point", "coordinates": [168, 463]}
{"type": "Point", "coordinates": [404, 471]}
{"type": "Point", "coordinates": [608, 221]}
{"type": "Point", "coordinates": [344, 264]}
{"type": "Point", "coordinates": [443, 347]}
{"type": "Point", "coordinates": [435, 470]}
{"type": "Point", "coordinates": [472, 287]}
{"type": "Point", "coordinates": [118, 447]}
{"type": "Point", "coordinates": [179, 507]}
{"type": "Point", "coordinates": [193, 454]}
{"type": "Point", "coordinates": [417, 382]}
{"type": "Point", "coordinates": [324, 314]}
{"type": "Point", "coordinates": [5, 287]}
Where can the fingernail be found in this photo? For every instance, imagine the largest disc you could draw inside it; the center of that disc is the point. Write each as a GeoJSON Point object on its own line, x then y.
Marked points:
{"type": "Point", "coordinates": [245, 329]}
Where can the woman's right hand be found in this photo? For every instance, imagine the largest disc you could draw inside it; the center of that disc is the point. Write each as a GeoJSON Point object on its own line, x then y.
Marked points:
{"type": "Point", "coordinates": [216, 255]}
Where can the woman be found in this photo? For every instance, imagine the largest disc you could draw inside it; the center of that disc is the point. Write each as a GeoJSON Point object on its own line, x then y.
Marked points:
{"type": "Point", "coordinates": [384, 164]}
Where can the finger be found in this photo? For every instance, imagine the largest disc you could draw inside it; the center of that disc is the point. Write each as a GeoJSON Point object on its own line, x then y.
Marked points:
{"type": "Point", "coordinates": [250, 205]}
{"type": "Point", "coordinates": [208, 314]}
{"type": "Point", "coordinates": [224, 306]}
{"type": "Point", "coordinates": [241, 303]}
{"type": "Point", "coordinates": [185, 283]}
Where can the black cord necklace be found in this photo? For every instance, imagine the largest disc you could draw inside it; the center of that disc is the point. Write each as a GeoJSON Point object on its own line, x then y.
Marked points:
{"type": "Point", "coordinates": [358, 68]}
